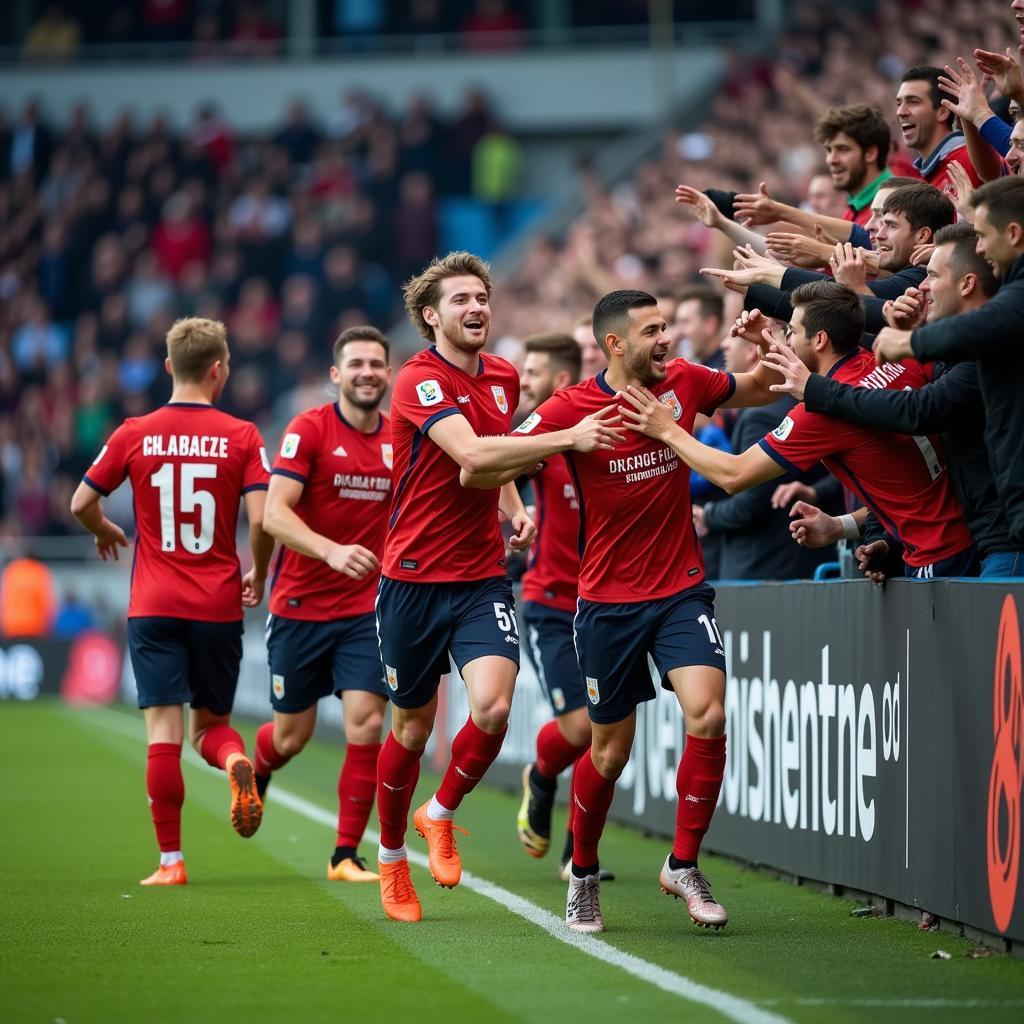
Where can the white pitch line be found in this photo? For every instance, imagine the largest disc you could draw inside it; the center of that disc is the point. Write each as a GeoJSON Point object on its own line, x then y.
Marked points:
{"type": "Point", "coordinates": [740, 1010]}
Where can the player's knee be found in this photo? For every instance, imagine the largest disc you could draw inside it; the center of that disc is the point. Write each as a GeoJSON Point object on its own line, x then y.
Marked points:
{"type": "Point", "coordinates": [611, 760]}
{"type": "Point", "coordinates": [710, 722]}
{"type": "Point", "coordinates": [575, 728]}
{"type": "Point", "coordinates": [412, 734]}
{"type": "Point", "coordinates": [493, 717]}
{"type": "Point", "coordinates": [290, 744]}
{"type": "Point", "coordinates": [366, 729]}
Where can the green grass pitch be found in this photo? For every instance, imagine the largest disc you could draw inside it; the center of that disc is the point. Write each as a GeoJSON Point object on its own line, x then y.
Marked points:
{"type": "Point", "coordinates": [260, 935]}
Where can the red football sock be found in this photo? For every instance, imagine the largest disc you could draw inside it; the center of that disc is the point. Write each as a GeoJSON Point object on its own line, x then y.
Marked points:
{"type": "Point", "coordinates": [554, 752]}
{"type": "Point", "coordinates": [592, 796]}
{"type": "Point", "coordinates": [166, 790]}
{"type": "Point", "coordinates": [357, 783]}
{"type": "Point", "coordinates": [572, 787]}
{"type": "Point", "coordinates": [398, 771]}
{"type": "Point", "coordinates": [267, 758]}
{"type": "Point", "coordinates": [698, 783]}
{"type": "Point", "coordinates": [473, 752]}
{"type": "Point", "coordinates": [219, 743]}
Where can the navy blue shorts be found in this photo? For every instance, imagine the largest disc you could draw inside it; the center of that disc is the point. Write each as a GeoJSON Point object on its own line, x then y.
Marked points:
{"type": "Point", "coordinates": [613, 642]}
{"type": "Point", "coordinates": [310, 660]}
{"type": "Point", "coordinates": [419, 624]}
{"type": "Point", "coordinates": [178, 661]}
{"type": "Point", "coordinates": [552, 652]}
{"type": "Point", "coordinates": [964, 563]}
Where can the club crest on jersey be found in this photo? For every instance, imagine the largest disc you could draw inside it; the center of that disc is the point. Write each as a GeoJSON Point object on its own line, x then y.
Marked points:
{"type": "Point", "coordinates": [558, 699]}
{"type": "Point", "coordinates": [784, 429]}
{"type": "Point", "coordinates": [278, 684]}
{"type": "Point", "coordinates": [593, 693]}
{"type": "Point", "coordinates": [429, 392]}
{"type": "Point", "coordinates": [392, 676]}
{"type": "Point", "coordinates": [669, 399]}
{"type": "Point", "coordinates": [290, 446]}
{"type": "Point", "coordinates": [528, 424]}
{"type": "Point", "coordinates": [499, 398]}
{"type": "Point", "coordinates": [387, 453]}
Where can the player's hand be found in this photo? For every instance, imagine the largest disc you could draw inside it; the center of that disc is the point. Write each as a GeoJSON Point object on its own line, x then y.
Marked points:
{"type": "Point", "coordinates": [524, 531]}
{"type": "Point", "coordinates": [813, 528]}
{"type": "Point", "coordinates": [871, 554]}
{"type": "Point", "coordinates": [785, 494]}
{"type": "Point", "coordinates": [962, 196]}
{"type": "Point", "coordinates": [252, 589]}
{"type": "Point", "coordinates": [597, 430]}
{"type": "Point", "coordinates": [905, 312]}
{"type": "Point", "coordinates": [699, 523]}
{"type": "Point", "coordinates": [109, 539]}
{"type": "Point", "coordinates": [646, 415]}
{"type": "Point", "coordinates": [750, 325]}
{"type": "Point", "coordinates": [784, 360]}
{"type": "Point", "coordinates": [848, 266]}
{"type": "Point", "coordinates": [353, 560]}
{"type": "Point", "coordinates": [758, 207]}
{"type": "Point", "coordinates": [891, 346]}
{"type": "Point", "coordinates": [700, 205]}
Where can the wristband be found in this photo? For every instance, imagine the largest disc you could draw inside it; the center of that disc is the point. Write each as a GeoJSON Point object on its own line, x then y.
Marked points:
{"type": "Point", "coordinates": [851, 530]}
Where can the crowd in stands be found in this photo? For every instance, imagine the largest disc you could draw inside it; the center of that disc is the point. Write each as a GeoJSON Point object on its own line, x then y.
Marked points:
{"type": "Point", "coordinates": [856, 153]}
{"type": "Point", "coordinates": [106, 236]}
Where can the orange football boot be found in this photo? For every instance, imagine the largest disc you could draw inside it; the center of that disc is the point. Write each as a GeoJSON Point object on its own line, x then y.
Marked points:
{"type": "Point", "coordinates": [445, 863]}
{"type": "Point", "coordinates": [397, 895]}
{"type": "Point", "coordinates": [172, 874]}
{"type": "Point", "coordinates": [246, 807]}
{"type": "Point", "coordinates": [351, 869]}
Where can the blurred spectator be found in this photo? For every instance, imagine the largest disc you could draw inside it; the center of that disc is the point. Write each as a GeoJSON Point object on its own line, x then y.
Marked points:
{"type": "Point", "coordinates": [299, 138]}
{"type": "Point", "coordinates": [75, 616]}
{"type": "Point", "coordinates": [29, 144]}
{"type": "Point", "coordinates": [54, 36]}
{"type": "Point", "coordinates": [414, 225]}
{"type": "Point", "coordinates": [26, 598]}
{"type": "Point", "coordinates": [492, 25]}
{"type": "Point", "coordinates": [181, 237]}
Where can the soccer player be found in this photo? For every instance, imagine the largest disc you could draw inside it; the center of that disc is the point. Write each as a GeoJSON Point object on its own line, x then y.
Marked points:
{"type": "Point", "coordinates": [549, 592]}
{"type": "Point", "coordinates": [899, 478]}
{"type": "Point", "coordinates": [642, 593]}
{"type": "Point", "coordinates": [443, 589]}
{"type": "Point", "coordinates": [593, 361]}
{"type": "Point", "coordinates": [189, 465]}
{"type": "Point", "coordinates": [328, 505]}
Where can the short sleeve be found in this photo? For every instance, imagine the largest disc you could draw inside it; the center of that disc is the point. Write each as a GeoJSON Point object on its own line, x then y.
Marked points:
{"type": "Point", "coordinates": [802, 439]}
{"type": "Point", "coordinates": [557, 413]}
{"type": "Point", "coordinates": [298, 448]}
{"type": "Point", "coordinates": [110, 467]}
{"type": "Point", "coordinates": [713, 387]}
{"type": "Point", "coordinates": [256, 475]}
{"type": "Point", "coordinates": [423, 396]}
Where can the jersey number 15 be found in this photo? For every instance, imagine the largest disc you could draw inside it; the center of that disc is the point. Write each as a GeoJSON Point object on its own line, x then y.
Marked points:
{"type": "Point", "coordinates": [197, 540]}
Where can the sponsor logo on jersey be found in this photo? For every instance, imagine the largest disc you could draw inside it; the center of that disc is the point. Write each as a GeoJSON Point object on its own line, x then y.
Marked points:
{"type": "Point", "coordinates": [290, 446]}
{"type": "Point", "coordinates": [340, 451]}
{"type": "Point", "coordinates": [558, 699]}
{"type": "Point", "coordinates": [784, 429]}
{"type": "Point", "coordinates": [392, 676]}
{"type": "Point", "coordinates": [499, 398]}
{"type": "Point", "coordinates": [462, 399]}
{"type": "Point", "coordinates": [593, 693]}
{"type": "Point", "coordinates": [669, 399]}
{"type": "Point", "coordinates": [429, 392]}
{"type": "Point", "coordinates": [278, 685]}
{"type": "Point", "coordinates": [387, 453]}
{"type": "Point", "coordinates": [103, 451]}
{"type": "Point", "coordinates": [264, 459]}
{"type": "Point", "coordinates": [528, 424]}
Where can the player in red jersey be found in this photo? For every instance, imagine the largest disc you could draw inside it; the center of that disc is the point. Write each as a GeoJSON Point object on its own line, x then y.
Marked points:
{"type": "Point", "coordinates": [549, 592]}
{"type": "Point", "coordinates": [901, 479]}
{"type": "Point", "coordinates": [443, 590]}
{"type": "Point", "coordinates": [188, 465]}
{"type": "Point", "coordinates": [642, 593]}
{"type": "Point", "coordinates": [328, 505]}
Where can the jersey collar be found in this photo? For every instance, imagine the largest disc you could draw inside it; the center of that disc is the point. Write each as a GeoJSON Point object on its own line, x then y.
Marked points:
{"type": "Point", "coordinates": [336, 406]}
{"type": "Point", "coordinates": [602, 383]}
{"type": "Point", "coordinates": [867, 194]}
{"type": "Point", "coordinates": [480, 359]}
{"type": "Point", "coordinates": [845, 359]}
{"type": "Point", "coordinates": [189, 405]}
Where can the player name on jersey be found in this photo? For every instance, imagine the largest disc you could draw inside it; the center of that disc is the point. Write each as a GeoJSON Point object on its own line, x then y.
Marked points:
{"type": "Point", "coordinates": [362, 488]}
{"type": "Point", "coordinates": [187, 445]}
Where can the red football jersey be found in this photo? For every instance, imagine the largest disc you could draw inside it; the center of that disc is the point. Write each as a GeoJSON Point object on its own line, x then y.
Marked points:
{"type": "Point", "coordinates": [347, 487]}
{"type": "Point", "coordinates": [634, 501]}
{"type": "Point", "coordinates": [943, 180]}
{"type": "Point", "coordinates": [553, 569]}
{"type": "Point", "coordinates": [189, 465]}
{"type": "Point", "coordinates": [439, 531]}
{"type": "Point", "coordinates": [902, 479]}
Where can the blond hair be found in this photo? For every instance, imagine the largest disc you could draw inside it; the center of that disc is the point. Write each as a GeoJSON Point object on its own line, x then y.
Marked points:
{"type": "Point", "coordinates": [194, 344]}
{"type": "Point", "coordinates": [425, 289]}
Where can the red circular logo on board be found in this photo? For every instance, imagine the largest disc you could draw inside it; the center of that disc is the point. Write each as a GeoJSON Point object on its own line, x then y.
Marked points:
{"type": "Point", "coordinates": [93, 674]}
